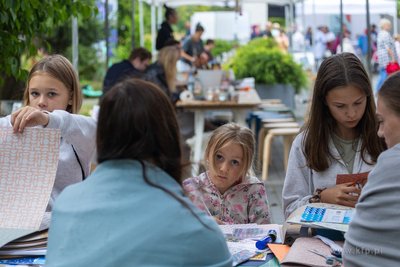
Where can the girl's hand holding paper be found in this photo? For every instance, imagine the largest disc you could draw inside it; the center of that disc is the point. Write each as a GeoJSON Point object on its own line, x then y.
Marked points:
{"type": "Point", "coordinates": [28, 117]}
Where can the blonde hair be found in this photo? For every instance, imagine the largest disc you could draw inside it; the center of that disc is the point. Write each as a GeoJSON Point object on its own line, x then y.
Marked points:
{"type": "Point", "coordinates": [227, 134]}
{"type": "Point", "coordinates": [61, 69]}
{"type": "Point", "coordinates": [168, 56]}
{"type": "Point", "coordinates": [396, 37]}
{"type": "Point", "coordinates": [383, 22]}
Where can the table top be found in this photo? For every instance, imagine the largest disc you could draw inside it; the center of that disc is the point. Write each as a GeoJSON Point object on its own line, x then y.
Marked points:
{"type": "Point", "coordinates": [247, 100]}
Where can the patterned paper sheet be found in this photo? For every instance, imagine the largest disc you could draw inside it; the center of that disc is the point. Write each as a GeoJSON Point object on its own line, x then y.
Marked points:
{"type": "Point", "coordinates": [227, 229]}
{"type": "Point", "coordinates": [240, 254]}
{"type": "Point", "coordinates": [28, 165]}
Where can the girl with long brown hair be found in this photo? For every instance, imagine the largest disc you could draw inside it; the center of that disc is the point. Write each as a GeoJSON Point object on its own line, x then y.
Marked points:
{"type": "Point", "coordinates": [339, 137]}
{"type": "Point", "coordinates": [131, 211]}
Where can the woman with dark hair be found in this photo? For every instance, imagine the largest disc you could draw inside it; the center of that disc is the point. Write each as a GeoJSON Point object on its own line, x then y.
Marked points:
{"type": "Point", "coordinates": [374, 232]}
{"type": "Point", "coordinates": [191, 50]}
{"type": "Point", "coordinates": [165, 32]}
{"type": "Point", "coordinates": [339, 137]}
{"type": "Point", "coordinates": [132, 211]}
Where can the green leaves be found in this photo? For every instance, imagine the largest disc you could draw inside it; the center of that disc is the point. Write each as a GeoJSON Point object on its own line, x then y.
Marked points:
{"type": "Point", "coordinates": [26, 24]}
{"type": "Point", "coordinates": [263, 60]}
{"type": "Point", "coordinates": [8, 3]}
{"type": "Point", "coordinates": [85, 11]}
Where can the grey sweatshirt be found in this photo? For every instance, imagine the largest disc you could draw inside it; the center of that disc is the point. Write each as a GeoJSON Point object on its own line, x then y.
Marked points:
{"type": "Point", "coordinates": [374, 233]}
{"type": "Point", "coordinates": [301, 182]}
{"type": "Point", "coordinates": [78, 131]}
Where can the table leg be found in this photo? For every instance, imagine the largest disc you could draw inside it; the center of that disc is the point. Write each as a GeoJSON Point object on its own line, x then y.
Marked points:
{"type": "Point", "coordinates": [239, 116]}
{"type": "Point", "coordinates": [198, 131]}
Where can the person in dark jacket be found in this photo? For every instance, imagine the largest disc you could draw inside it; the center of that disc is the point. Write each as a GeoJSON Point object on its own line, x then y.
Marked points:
{"type": "Point", "coordinates": [136, 63]}
{"type": "Point", "coordinates": [165, 33]}
{"type": "Point", "coordinates": [162, 72]}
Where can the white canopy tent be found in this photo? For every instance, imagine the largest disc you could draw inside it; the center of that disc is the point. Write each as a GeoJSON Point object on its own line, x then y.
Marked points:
{"type": "Point", "coordinates": [350, 7]}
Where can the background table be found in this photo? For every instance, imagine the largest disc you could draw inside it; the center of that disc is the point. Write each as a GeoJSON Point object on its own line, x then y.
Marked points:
{"type": "Point", "coordinates": [247, 100]}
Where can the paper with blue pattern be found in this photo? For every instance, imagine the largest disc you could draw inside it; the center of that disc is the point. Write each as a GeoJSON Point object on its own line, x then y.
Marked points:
{"type": "Point", "coordinates": [313, 214]}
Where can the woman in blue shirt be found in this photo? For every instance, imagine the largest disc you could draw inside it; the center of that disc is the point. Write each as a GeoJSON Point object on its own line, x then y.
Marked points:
{"type": "Point", "coordinates": [132, 211]}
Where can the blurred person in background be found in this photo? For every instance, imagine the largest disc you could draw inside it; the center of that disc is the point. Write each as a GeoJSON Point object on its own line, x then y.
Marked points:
{"type": "Point", "coordinates": [136, 64]}
{"type": "Point", "coordinates": [165, 32]}
{"type": "Point", "coordinates": [192, 49]}
{"type": "Point", "coordinates": [386, 50]}
{"type": "Point", "coordinates": [162, 72]}
{"type": "Point", "coordinates": [275, 32]}
{"type": "Point", "coordinates": [267, 32]}
{"type": "Point", "coordinates": [320, 46]}
{"type": "Point", "coordinates": [309, 37]}
{"type": "Point", "coordinates": [255, 31]}
{"type": "Point", "coordinates": [347, 44]}
{"type": "Point", "coordinates": [337, 42]}
{"type": "Point", "coordinates": [374, 34]}
{"type": "Point", "coordinates": [187, 27]}
{"type": "Point", "coordinates": [330, 39]}
{"type": "Point", "coordinates": [210, 44]}
{"type": "Point", "coordinates": [298, 41]}
{"type": "Point", "coordinates": [282, 40]}
{"type": "Point", "coordinates": [396, 38]}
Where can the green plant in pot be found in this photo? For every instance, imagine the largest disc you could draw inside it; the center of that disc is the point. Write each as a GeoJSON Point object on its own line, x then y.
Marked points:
{"type": "Point", "coordinates": [273, 71]}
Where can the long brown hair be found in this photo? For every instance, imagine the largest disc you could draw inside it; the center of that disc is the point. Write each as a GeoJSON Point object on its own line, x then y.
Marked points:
{"type": "Point", "coordinates": [340, 70]}
{"type": "Point", "coordinates": [232, 133]}
{"type": "Point", "coordinates": [137, 121]}
{"type": "Point", "coordinates": [168, 56]}
{"type": "Point", "coordinates": [390, 92]}
{"type": "Point", "coordinates": [61, 69]}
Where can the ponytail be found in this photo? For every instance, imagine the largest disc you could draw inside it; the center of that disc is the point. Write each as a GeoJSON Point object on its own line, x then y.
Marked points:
{"type": "Point", "coordinates": [199, 28]}
{"type": "Point", "coordinates": [168, 12]}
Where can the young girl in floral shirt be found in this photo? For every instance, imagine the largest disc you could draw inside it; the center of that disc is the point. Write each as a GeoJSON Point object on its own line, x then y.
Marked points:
{"type": "Point", "coordinates": [227, 190]}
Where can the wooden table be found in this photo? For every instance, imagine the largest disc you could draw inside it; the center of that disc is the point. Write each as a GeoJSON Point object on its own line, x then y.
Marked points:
{"type": "Point", "coordinates": [247, 100]}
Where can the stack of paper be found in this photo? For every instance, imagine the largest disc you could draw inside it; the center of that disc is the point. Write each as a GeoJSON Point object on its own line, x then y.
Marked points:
{"type": "Point", "coordinates": [31, 245]}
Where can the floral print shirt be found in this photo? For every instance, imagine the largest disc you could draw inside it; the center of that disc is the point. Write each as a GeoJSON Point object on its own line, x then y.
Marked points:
{"type": "Point", "coordinates": [241, 204]}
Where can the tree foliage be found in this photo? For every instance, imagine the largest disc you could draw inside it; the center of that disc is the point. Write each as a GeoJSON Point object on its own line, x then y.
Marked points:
{"type": "Point", "coordinates": [23, 20]}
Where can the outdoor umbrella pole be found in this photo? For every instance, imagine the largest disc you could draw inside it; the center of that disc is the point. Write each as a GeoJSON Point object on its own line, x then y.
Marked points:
{"type": "Point", "coordinates": [341, 26]}
{"type": "Point", "coordinates": [368, 41]}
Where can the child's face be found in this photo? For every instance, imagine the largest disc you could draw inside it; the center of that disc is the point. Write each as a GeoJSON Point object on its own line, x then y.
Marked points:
{"type": "Point", "coordinates": [48, 93]}
{"type": "Point", "coordinates": [229, 160]}
{"type": "Point", "coordinates": [347, 106]}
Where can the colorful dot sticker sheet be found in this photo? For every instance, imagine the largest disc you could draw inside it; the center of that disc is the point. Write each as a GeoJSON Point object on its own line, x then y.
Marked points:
{"type": "Point", "coordinates": [312, 214]}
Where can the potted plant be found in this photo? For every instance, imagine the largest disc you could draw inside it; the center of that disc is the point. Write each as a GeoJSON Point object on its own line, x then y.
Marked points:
{"type": "Point", "coordinates": [276, 74]}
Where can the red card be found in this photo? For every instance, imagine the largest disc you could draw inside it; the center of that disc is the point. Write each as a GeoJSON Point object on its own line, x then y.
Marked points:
{"type": "Point", "coordinates": [355, 178]}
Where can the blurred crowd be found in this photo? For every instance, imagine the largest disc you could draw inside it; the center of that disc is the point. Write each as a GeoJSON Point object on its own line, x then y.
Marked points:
{"type": "Point", "coordinates": [385, 48]}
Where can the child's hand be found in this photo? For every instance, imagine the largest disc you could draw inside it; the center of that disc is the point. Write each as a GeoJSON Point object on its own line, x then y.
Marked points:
{"type": "Point", "coordinates": [28, 117]}
{"type": "Point", "coordinates": [340, 194]}
{"type": "Point", "coordinates": [218, 221]}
